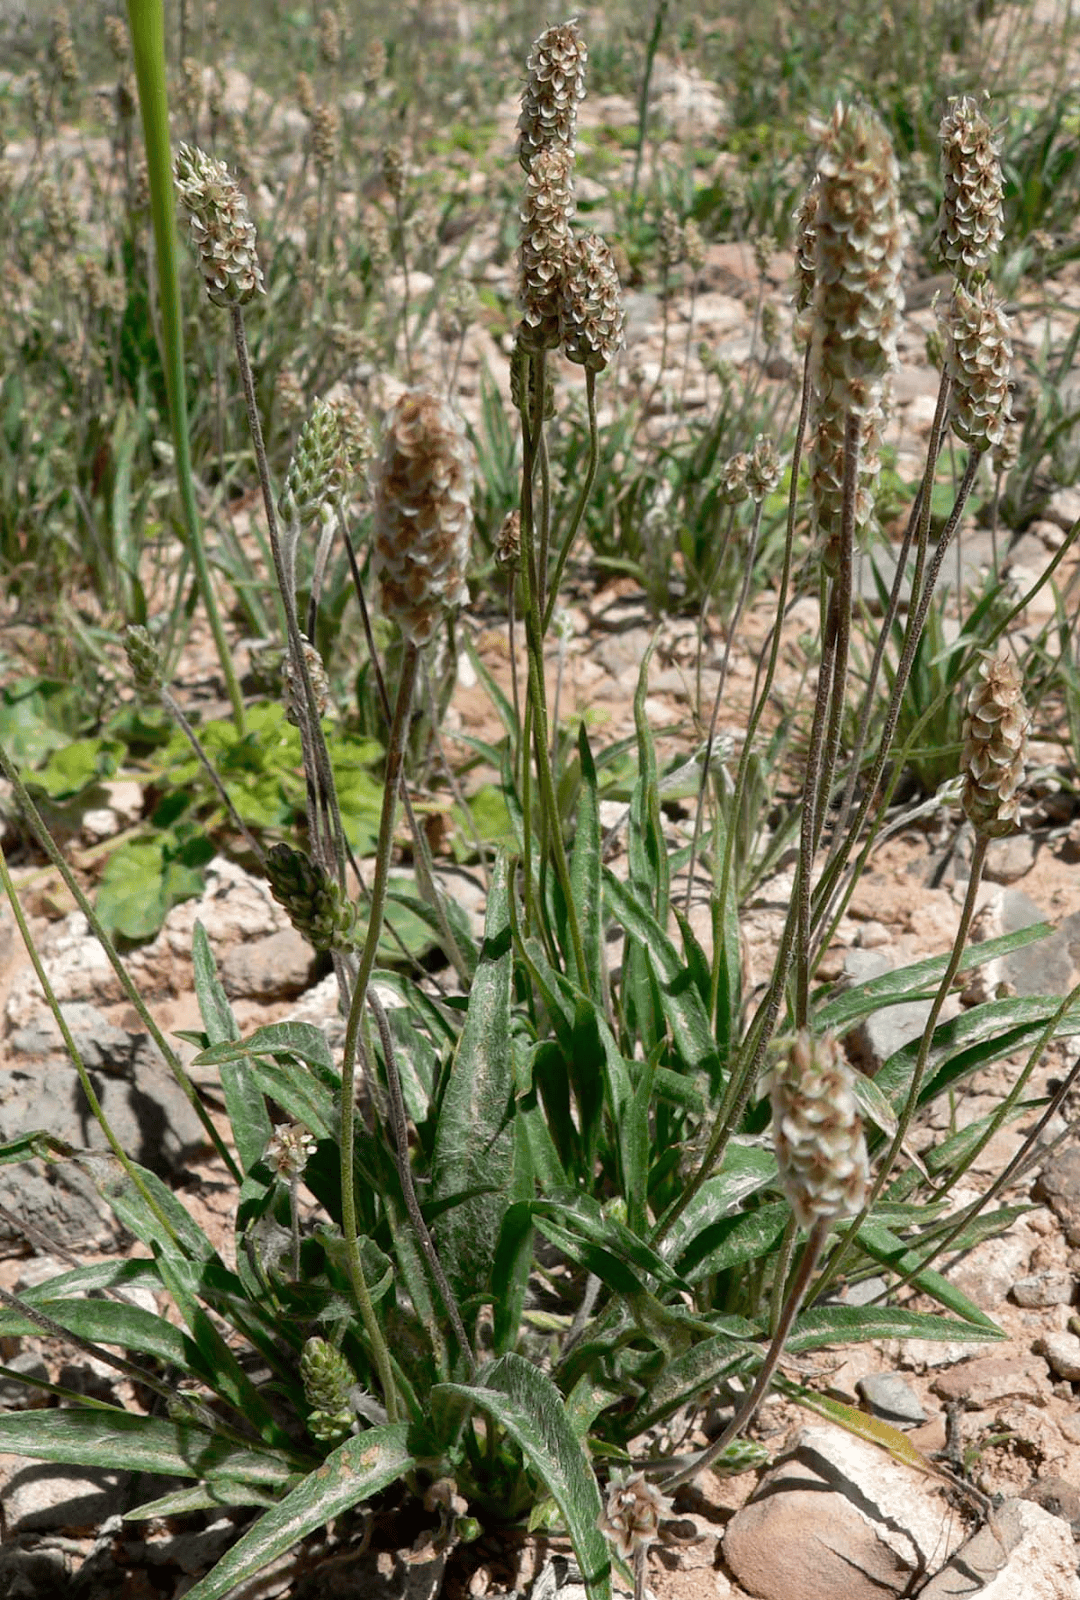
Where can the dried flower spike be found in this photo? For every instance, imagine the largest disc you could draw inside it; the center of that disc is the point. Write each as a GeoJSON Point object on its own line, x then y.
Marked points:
{"type": "Point", "coordinates": [423, 513]}
{"type": "Point", "coordinates": [546, 210]}
{"type": "Point", "coordinates": [632, 1513]}
{"type": "Point", "coordinates": [995, 745]}
{"type": "Point", "coordinates": [220, 226]}
{"type": "Point", "coordinates": [817, 1131]}
{"type": "Point", "coordinates": [806, 247]}
{"type": "Point", "coordinates": [325, 129]}
{"type": "Point", "coordinates": [972, 219]}
{"type": "Point", "coordinates": [320, 685]}
{"type": "Point", "coordinates": [553, 88]}
{"type": "Point", "coordinates": [592, 306]}
{"type": "Point", "coordinates": [288, 1150]}
{"type": "Point", "coordinates": [858, 250]}
{"type": "Point", "coordinates": [763, 471]}
{"type": "Point", "coordinates": [979, 361]}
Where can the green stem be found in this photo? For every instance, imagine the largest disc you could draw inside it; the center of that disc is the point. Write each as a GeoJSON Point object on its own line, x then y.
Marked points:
{"type": "Point", "coordinates": [394, 760]}
{"type": "Point", "coordinates": [745, 1413]}
{"type": "Point", "coordinates": [843, 1250]}
{"type": "Point", "coordinates": [643, 97]}
{"type": "Point", "coordinates": [583, 498]}
{"type": "Point", "coordinates": [147, 19]}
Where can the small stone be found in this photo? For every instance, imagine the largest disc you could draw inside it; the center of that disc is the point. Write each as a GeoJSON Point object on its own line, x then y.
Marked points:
{"type": "Point", "coordinates": [1058, 1496]}
{"type": "Point", "coordinates": [989, 1380]}
{"type": "Point", "coordinates": [1062, 1352]}
{"type": "Point", "coordinates": [1059, 1186]}
{"type": "Point", "coordinates": [1038, 1561]}
{"type": "Point", "coordinates": [1044, 1289]}
{"type": "Point", "coordinates": [40, 1496]}
{"type": "Point", "coordinates": [892, 1398]}
{"type": "Point", "coordinates": [278, 967]}
{"type": "Point", "coordinates": [837, 1519]}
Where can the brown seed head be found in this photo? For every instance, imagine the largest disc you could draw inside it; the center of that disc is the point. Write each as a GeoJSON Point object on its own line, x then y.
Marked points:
{"type": "Point", "coordinates": [632, 1512]}
{"type": "Point", "coordinates": [817, 1131]}
{"type": "Point", "coordinates": [979, 362]}
{"type": "Point", "coordinates": [116, 37]}
{"type": "Point", "coordinates": [508, 546]}
{"type": "Point", "coordinates": [546, 210]}
{"type": "Point", "coordinates": [734, 473]}
{"type": "Point", "coordinates": [763, 471]}
{"type": "Point", "coordinates": [972, 220]}
{"type": "Point", "coordinates": [995, 745]}
{"type": "Point", "coordinates": [223, 232]}
{"type": "Point", "coordinates": [330, 36]}
{"type": "Point", "coordinates": [325, 129]}
{"type": "Point", "coordinates": [806, 247]}
{"type": "Point", "coordinates": [305, 94]}
{"type": "Point", "coordinates": [856, 306]}
{"type": "Point", "coordinates": [62, 50]}
{"type": "Point", "coordinates": [592, 306]}
{"type": "Point", "coordinates": [423, 513]}
{"type": "Point", "coordinates": [554, 86]}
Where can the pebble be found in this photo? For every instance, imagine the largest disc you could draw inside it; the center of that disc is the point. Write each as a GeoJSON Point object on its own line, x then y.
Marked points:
{"type": "Point", "coordinates": [892, 1398]}
{"type": "Point", "coordinates": [1062, 1352]}
{"type": "Point", "coordinates": [1044, 1289]}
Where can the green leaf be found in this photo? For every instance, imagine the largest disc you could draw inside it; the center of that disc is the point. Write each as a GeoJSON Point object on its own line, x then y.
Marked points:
{"type": "Point", "coordinates": [747, 1168]}
{"type": "Point", "coordinates": [585, 869]}
{"type": "Point", "coordinates": [687, 1378]}
{"type": "Point", "coordinates": [825, 1325]}
{"type": "Point", "coordinates": [679, 999]}
{"type": "Point", "coordinates": [248, 1116]}
{"type": "Point", "coordinates": [301, 1039]}
{"type": "Point", "coordinates": [976, 1038]}
{"type": "Point", "coordinates": [525, 1402]}
{"type": "Point", "coordinates": [885, 1246]}
{"type": "Point", "coordinates": [748, 1236]}
{"type": "Point", "coordinates": [78, 766]}
{"type": "Point", "coordinates": [109, 1322]}
{"type": "Point", "coordinates": [222, 1493]}
{"type": "Point", "coordinates": [473, 1147]}
{"type": "Point", "coordinates": [127, 1443]}
{"type": "Point", "coordinates": [354, 1472]}
{"type": "Point", "coordinates": [917, 981]}
{"type": "Point", "coordinates": [144, 879]}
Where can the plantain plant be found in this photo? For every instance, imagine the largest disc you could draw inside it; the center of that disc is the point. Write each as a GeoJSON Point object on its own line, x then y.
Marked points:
{"type": "Point", "coordinates": [516, 1236]}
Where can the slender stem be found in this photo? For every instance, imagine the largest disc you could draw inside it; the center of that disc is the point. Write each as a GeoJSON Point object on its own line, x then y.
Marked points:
{"type": "Point", "coordinates": [770, 672]}
{"type": "Point", "coordinates": [400, 1124]}
{"type": "Point", "coordinates": [745, 1413]}
{"type": "Point", "coordinates": [173, 707]}
{"type": "Point", "coordinates": [403, 256]}
{"type": "Point", "coordinates": [394, 761]}
{"type": "Point", "coordinates": [643, 95]}
{"type": "Point", "coordinates": [710, 740]}
{"type": "Point", "coordinates": [534, 637]}
{"type": "Point", "coordinates": [321, 789]}
{"type": "Point", "coordinates": [147, 20]}
{"type": "Point", "coordinates": [582, 501]}
{"type": "Point", "coordinates": [843, 1250]}
{"type": "Point", "coordinates": [916, 622]}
